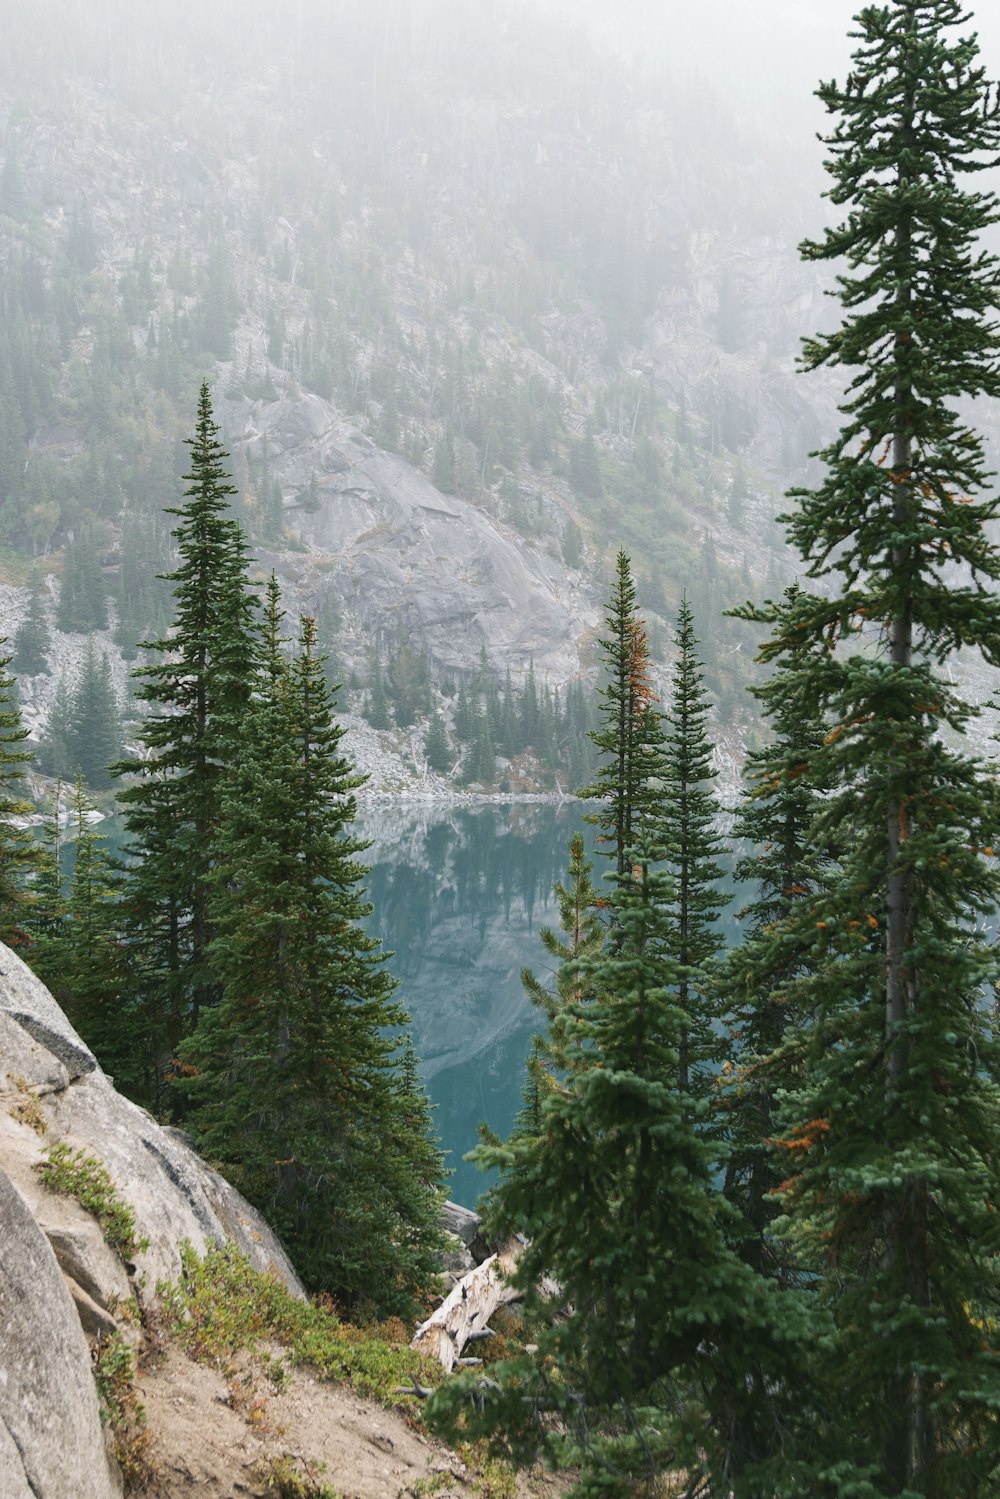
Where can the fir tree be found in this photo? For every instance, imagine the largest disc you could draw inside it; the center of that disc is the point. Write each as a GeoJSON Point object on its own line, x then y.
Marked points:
{"type": "Point", "coordinates": [196, 693]}
{"type": "Point", "coordinates": [893, 1133]}
{"type": "Point", "coordinates": [436, 747]}
{"type": "Point", "coordinates": [55, 755]}
{"type": "Point", "coordinates": [18, 854]}
{"type": "Point", "coordinates": [95, 737]}
{"type": "Point", "coordinates": [377, 712]}
{"type": "Point", "coordinates": [83, 604]}
{"type": "Point", "coordinates": [93, 970]}
{"type": "Point", "coordinates": [611, 1183]}
{"type": "Point", "coordinates": [294, 1077]}
{"type": "Point", "coordinates": [631, 740]}
{"type": "Point", "coordinates": [766, 980]}
{"type": "Point", "coordinates": [46, 916]}
{"type": "Point", "coordinates": [32, 639]}
{"type": "Point", "coordinates": [686, 812]}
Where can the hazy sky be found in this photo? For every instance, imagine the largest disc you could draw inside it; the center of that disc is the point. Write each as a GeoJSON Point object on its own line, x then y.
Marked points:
{"type": "Point", "coordinates": [771, 50]}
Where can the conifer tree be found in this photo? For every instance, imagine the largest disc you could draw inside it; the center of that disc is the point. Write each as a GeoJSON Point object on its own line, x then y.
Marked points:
{"type": "Point", "coordinates": [18, 855]}
{"type": "Point", "coordinates": [32, 639]}
{"type": "Point", "coordinates": [436, 747]}
{"type": "Point", "coordinates": [895, 1179]}
{"type": "Point", "coordinates": [55, 755]}
{"type": "Point", "coordinates": [83, 604]}
{"type": "Point", "coordinates": [196, 693]}
{"type": "Point", "coordinates": [92, 961]}
{"type": "Point", "coordinates": [45, 918]}
{"type": "Point", "coordinates": [686, 812]}
{"type": "Point", "coordinates": [766, 980]}
{"type": "Point", "coordinates": [631, 739]}
{"type": "Point", "coordinates": [611, 1183]}
{"type": "Point", "coordinates": [295, 1080]}
{"type": "Point", "coordinates": [95, 736]}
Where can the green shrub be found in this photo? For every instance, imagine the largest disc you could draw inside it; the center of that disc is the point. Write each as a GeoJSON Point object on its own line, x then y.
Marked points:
{"type": "Point", "coordinates": [77, 1174]}
{"type": "Point", "coordinates": [222, 1306]}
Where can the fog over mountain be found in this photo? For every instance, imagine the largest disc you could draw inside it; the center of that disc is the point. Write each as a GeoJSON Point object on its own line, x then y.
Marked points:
{"type": "Point", "coordinates": [483, 292]}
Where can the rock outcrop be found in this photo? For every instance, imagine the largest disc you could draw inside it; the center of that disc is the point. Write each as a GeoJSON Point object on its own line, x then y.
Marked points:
{"type": "Point", "coordinates": [59, 1280]}
{"type": "Point", "coordinates": [51, 1440]}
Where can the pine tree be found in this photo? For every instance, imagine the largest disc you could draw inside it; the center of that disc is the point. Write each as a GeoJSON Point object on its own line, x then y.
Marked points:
{"type": "Point", "coordinates": [377, 712]}
{"type": "Point", "coordinates": [766, 981]}
{"type": "Point", "coordinates": [686, 813]}
{"type": "Point", "coordinates": [893, 1133]}
{"type": "Point", "coordinates": [196, 693]}
{"type": "Point", "coordinates": [631, 740]}
{"type": "Point", "coordinates": [18, 855]}
{"type": "Point", "coordinates": [294, 1077]}
{"type": "Point", "coordinates": [92, 962]}
{"type": "Point", "coordinates": [83, 604]}
{"type": "Point", "coordinates": [32, 639]}
{"type": "Point", "coordinates": [45, 919]}
{"type": "Point", "coordinates": [436, 747]}
{"type": "Point", "coordinates": [95, 737]}
{"type": "Point", "coordinates": [612, 1185]}
{"type": "Point", "coordinates": [56, 753]}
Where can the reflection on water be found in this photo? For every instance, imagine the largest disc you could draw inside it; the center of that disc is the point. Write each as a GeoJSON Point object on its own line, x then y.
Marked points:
{"type": "Point", "coordinates": [460, 894]}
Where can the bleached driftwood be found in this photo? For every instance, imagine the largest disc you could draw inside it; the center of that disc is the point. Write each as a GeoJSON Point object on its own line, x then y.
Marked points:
{"type": "Point", "coordinates": [464, 1315]}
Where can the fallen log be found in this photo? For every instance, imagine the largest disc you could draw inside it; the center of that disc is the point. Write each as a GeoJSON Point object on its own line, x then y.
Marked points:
{"type": "Point", "coordinates": [468, 1307]}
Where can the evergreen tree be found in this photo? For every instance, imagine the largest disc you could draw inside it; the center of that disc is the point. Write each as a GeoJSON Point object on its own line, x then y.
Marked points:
{"type": "Point", "coordinates": [18, 854]}
{"type": "Point", "coordinates": [294, 1077]}
{"type": "Point", "coordinates": [893, 1132]}
{"type": "Point", "coordinates": [766, 981]}
{"type": "Point", "coordinates": [83, 604]}
{"type": "Point", "coordinates": [686, 812]}
{"type": "Point", "coordinates": [93, 965]}
{"type": "Point", "coordinates": [46, 916]}
{"type": "Point", "coordinates": [56, 753]}
{"type": "Point", "coordinates": [32, 639]}
{"type": "Point", "coordinates": [436, 747]}
{"type": "Point", "coordinates": [95, 737]}
{"type": "Point", "coordinates": [378, 704]}
{"type": "Point", "coordinates": [631, 740]}
{"type": "Point", "coordinates": [196, 693]}
{"type": "Point", "coordinates": [660, 1321]}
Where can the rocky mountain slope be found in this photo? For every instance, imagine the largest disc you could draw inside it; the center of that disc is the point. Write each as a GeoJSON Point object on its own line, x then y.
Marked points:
{"type": "Point", "coordinates": [470, 327]}
{"type": "Point", "coordinates": [80, 1283]}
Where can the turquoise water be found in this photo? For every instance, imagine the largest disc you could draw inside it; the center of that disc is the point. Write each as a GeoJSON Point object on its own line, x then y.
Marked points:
{"type": "Point", "coordinates": [460, 895]}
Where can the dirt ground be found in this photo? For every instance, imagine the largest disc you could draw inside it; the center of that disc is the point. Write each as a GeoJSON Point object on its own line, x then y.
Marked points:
{"type": "Point", "coordinates": [214, 1438]}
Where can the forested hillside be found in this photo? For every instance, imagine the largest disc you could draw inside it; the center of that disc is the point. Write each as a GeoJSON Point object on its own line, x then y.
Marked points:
{"type": "Point", "coordinates": [478, 302]}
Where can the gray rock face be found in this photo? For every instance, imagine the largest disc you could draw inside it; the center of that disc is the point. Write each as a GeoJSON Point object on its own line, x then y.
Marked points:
{"type": "Point", "coordinates": [51, 1440]}
{"type": "Point", "coordinates": [59, 1280]}
{"type": "Point", "coordinates": [30, 1005]}
{"type": "Point", "coordinates": [49, 1081]}
{"type": "Point", "coordinates": [394, 552]}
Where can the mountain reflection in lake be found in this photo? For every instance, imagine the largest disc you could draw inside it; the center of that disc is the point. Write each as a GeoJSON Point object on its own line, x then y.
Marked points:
{"type": "Point", "coordinates": [460, 894]}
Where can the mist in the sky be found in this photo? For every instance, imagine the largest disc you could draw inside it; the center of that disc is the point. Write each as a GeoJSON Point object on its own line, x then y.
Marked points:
{"type": "Point", "coordinates": [766, 54]}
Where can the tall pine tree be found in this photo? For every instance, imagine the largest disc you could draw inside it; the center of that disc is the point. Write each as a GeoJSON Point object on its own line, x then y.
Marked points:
{"type": "Point", "coordinates": [196, 693]}
{"type": "Point", "coordinates": [631, 736]}
{"type": "Point", "coordinates": [297, 1085]}
{"type": "Point", "coordinates": [686, 813]}
{"type": "Point", "coordinates": [892, 1137]}
{"type": "Point", "coordinates": [18, 855]}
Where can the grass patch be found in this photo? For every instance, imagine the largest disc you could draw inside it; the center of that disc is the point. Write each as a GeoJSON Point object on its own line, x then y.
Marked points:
{"type": "Point", "coordinates": [121, 1409]}
{"type": "Point", "coordinates": [222, 1306]}
{"type": "Point", "coordinates": [27, 1109]}
{"type": "Point", "coordinates": [76, 1174]}
{"type": "Point", "coordinates": [287, 1478]}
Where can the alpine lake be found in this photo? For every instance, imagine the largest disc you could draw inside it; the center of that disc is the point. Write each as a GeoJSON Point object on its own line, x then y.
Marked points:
{"type": "Point", "coordinates": [460, 894]}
